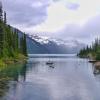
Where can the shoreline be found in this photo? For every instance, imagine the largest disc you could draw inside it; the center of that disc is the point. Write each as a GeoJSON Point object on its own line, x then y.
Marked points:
{"type": "Point", "coordinates": [8, 61]}
{"type": "Point", "coordinates": [91, 60]}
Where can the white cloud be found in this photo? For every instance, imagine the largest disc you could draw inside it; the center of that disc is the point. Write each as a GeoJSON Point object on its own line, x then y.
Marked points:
{"type": "Point", "coordinates": [59, 14]}
{"type": "Point", "coordinates": [37, 4]}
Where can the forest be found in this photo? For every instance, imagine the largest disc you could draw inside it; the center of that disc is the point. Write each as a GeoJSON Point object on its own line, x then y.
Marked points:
{"type": "Point", "coordinates": [11, 46]}
{"type": "Point", "coordinates": [92, 51]}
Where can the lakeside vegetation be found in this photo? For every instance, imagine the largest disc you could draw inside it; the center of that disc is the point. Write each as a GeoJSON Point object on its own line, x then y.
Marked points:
{"type": "Point", "coordinates": [12, 48]}
{"type": "Point", "coordinates": [92, 52]}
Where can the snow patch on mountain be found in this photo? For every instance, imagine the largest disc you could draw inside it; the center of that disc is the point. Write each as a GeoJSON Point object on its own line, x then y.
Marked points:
{"type": "Point", "coordinates": [40, 39]}
{"type": "Point", "coordinates": [46, 40]}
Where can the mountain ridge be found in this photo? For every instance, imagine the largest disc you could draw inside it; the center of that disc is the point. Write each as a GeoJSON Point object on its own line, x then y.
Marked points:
{"type": "Point", "coordinates": [56, 46]}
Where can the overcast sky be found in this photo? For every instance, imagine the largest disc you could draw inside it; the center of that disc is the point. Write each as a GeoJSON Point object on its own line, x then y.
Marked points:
{"type": "Point", "coordinates": [75, 19]}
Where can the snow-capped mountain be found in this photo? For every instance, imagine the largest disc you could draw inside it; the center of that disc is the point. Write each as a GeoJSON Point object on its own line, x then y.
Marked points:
{"type": "Point", "coordinates": [53, 45]}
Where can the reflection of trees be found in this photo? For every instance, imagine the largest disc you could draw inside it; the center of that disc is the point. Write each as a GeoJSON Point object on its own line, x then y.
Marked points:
{"type": "Point", "coordinates": [23, 72]}
{"type": "Point", "coordinates": [33, 66]}
{"type": "Point", "coordinates": [3, 86]}
{"type": "Point", "coordinates": [10, 73]}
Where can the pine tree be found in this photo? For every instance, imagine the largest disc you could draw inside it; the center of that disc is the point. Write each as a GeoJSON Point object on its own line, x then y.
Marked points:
{"type": "Point", "coordinates": [24, 45]}
{"type": "Point", "coordinates": [21, 45]}
{"type": "Point", "coordinates": [5, 18]}
{"type": "Point", "coordinates": [1, 40]}
{"type": "Point", "coordinates": [15, 40]}
{"type": "Point", "coordinates": [1, 31]}
{"type": "Point", "coordinates": [1, 12]}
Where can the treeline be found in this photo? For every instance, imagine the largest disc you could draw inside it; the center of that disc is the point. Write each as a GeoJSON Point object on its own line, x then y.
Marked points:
{"type": "Point", "coordinates": [10, 43]}
{"type": "Point", "coordinates": [92, 51]}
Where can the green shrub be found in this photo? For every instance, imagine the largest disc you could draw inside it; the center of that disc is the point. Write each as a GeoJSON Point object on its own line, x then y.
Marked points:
{"type": "Point", "coordinates": [98, 56]}
{"type": "Point", "coordinates": [2, 63]}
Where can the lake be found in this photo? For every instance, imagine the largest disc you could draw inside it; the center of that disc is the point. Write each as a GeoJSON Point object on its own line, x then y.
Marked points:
{"type": "Point", "coordinates": [69, 78]}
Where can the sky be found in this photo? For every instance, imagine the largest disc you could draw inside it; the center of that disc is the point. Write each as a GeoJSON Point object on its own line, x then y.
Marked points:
{"type": "Point", "coordinates": [65, 19]}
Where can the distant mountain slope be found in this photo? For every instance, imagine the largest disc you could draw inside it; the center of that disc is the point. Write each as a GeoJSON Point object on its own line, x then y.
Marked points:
{"type": "Point", "coordinates": [56, 46]}
{"type": "Point", "coordinates": [35, 48]}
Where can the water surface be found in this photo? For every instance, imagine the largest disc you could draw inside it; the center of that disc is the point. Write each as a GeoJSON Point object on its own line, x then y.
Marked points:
{"type": "Point", "coordinates": [71, 78]}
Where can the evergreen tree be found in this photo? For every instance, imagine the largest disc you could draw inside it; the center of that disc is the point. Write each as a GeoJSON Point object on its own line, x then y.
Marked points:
{"type": "Point", "coordinates": [5, 18]}
{"type": "Point", "coordinates": [1, 31]}
{"type": "Point", "coordinates": [24, 45]}
{"type": "Point", "coordinates": [21, 45]}
{"type": "Point", "coordinates": [1, 40]}
{"type": "Point", "coordinates": [1, 11]}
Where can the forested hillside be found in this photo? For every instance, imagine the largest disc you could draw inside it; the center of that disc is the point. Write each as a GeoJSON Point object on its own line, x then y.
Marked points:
{"type": "Point", "coordinates": [11, 46]}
